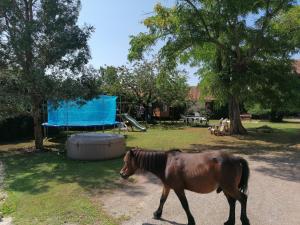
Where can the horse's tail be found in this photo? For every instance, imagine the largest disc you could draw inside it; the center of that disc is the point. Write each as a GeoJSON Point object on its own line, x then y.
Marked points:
{"type": "Point", "coordinates": [243, 185]}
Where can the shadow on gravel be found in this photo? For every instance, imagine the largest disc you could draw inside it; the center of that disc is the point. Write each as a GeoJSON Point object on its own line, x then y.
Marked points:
{"type": "Point", "coordinates": [168, 221]}
{"type": "Point", "coordinates": [279, 150]}
{"type": "Point", "coordinates": [133, 188]}
{"type": "Point", "coordinates": [284, 166]}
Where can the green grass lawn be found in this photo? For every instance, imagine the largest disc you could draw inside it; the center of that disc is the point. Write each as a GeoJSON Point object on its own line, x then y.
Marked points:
{"type": "Point", "coordinates": [199, 138]}
{"type": "Point", "coordinates": [48, 188]}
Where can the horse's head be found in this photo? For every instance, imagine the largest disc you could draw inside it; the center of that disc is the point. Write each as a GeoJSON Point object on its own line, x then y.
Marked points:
{"type": "Point", "coordinates": [130, 166]}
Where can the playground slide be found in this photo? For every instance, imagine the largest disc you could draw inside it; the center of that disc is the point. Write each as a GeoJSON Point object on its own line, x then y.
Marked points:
{"type": "Point", "coordinates": [134, 122]}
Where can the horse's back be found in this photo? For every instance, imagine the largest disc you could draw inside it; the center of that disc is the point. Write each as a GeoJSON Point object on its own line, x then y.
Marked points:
{"type": "Point", "coordinates": [202, 158]}
{"type": "Point", "coordinates": [197, 172]}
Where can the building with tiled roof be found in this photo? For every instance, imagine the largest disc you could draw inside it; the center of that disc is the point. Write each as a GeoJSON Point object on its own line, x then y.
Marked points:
{"type": "Point", "coordinates": [195, 94]}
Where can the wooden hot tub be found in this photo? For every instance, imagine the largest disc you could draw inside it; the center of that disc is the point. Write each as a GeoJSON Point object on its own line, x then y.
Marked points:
{"type": "Point", "coordinates": [95, 146]}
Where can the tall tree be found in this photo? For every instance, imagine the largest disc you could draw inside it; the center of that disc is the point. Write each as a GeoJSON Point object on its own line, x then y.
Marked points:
{"type": "Point", "coordinates": [172, 87]}
{"type": "Point", "coordinates": [145, 83]}
{"type": "Point", "coordinates": [151, 82]}
{"type": "Point", "coordinates": [42, 45]}
{"type": "Point", "coordinates": [275, 90]}
{"type": "Point", "coordinates": [112, 83]}
{"type": "Point", "coordinates": [140, 81]}
{"type": "Point", "coordinates": [223, 38]}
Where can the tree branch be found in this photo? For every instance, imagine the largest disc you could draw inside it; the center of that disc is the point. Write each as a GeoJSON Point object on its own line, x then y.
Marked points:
{"type": "Point", "coordinates": [18, 9]}
{"type": "Point", "coordinates": [211, 38]}
{"type": "Point", "coordinates": [12, 35]}
{"type": "Point", "coordinates": [268, 16]}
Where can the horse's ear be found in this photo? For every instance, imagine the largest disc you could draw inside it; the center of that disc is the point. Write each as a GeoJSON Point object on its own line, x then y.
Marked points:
{"type": "Point", "coordinates": [131, 152]}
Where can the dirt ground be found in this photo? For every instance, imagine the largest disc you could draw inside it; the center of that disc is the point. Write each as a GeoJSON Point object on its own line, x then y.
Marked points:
{"type": "Point", "coordinates": [274, 197]}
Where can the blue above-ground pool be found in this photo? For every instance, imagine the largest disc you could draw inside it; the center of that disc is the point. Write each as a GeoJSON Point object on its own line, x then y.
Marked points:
{"type": "Point", "coordinates": [96, 112]}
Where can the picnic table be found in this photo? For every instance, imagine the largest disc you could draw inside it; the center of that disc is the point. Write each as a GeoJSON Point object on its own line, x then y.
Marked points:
{"type": "Point", "coordinates": [194, 119]}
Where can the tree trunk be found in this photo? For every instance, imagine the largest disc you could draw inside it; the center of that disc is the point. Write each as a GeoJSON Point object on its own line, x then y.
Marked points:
{"type": "Point", "coordinates": [148, 113]}
{"type": "Point", "coordinates": [37, 120]}
{"type": "Point", "coordinates": [236, 126]}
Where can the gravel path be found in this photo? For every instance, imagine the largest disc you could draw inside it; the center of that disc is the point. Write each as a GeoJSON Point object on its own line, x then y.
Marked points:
{"type": "Point", "coordinates": [274, 198]}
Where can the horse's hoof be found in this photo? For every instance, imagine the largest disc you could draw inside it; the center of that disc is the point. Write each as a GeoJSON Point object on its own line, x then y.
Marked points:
{"type": "Point", "coordinates": [157, 215]}
{"type": "Point", "coordinates": [192, 222]}
{"type": "Point", "coordinates": [245, 221]}
{"type": "Point", "coordinates": [229, 222]}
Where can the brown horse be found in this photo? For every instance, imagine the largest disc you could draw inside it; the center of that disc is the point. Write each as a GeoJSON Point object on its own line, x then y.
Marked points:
{"type": "Point", "coordinates": [198, 172]}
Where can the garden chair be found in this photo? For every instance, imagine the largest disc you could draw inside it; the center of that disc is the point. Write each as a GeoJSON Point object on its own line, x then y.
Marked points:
{"type": "Point", "coordinates": [221, 129]}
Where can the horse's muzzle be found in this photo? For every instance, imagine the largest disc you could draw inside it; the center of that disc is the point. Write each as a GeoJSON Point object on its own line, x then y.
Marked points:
{"type": "Point", "coordinates": [124, 176]}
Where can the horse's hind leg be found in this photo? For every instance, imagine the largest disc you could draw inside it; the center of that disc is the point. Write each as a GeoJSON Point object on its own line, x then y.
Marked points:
{"type": "Point", "coordinates": [181, 195]}
{"type": "Point", "coordinates": [242, 198]}
{"type": "Point", "coordinates": [243, 201]}
{"type": "Point", "coordinates": [163, 198]}
{"type": "Point", "coordinates": [231, 218]}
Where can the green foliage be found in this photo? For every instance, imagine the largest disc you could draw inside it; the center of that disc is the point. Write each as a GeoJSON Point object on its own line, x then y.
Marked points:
{"type": "Point", "coordinates": [12, 102]}
{"type": "Point", "coordinates": [172, 87]}
{"type": "Point", "coordinates": [274, 87]}
{"type": "Point", "coordinates": [256, 109]}
{"type": "Point", "coordinates": [287, 27]}
{"type": "Point", "coordinates": [145, 83]}
{"type": "Point", "coordinates": [140, 81]}
{"type": "Point", "coordinates": [140, 45]}
{"type": "Point", "coordinates": [44, 52]}
{"type": "Point", "coordinates": [212, 85]}
{"type": "Point", "coordinates": [225, 39]}
{"type": "Point", "coordinates": [111, 80]}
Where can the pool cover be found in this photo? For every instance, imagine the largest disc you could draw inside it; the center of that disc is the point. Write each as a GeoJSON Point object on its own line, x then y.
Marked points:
{"type": "Point", "coordinates": [96, 112]}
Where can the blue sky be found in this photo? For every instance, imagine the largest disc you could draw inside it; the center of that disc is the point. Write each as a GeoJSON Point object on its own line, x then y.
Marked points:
{"type": "Point", "coordinates": [114, 22]}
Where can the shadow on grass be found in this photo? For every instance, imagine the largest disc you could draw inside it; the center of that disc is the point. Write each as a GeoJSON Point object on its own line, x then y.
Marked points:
{"type": "Point", "coordinates": [35, 173]}
{"type": "Point", "coordinates": [15, 142]}
{"type": "Point", "coordinates": [287, 136]}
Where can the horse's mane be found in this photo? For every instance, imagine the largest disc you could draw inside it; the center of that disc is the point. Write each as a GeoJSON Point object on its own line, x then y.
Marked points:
{"type": "Point", "coordinates": [150, 160]}
{"type": "Point", "coordinates": [174, 150]}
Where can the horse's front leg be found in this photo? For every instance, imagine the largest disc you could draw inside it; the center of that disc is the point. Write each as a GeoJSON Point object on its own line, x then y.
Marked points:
{"type": "Point", "coordinates": [181, 195]}
{"type": "Point", "coordinates": [163, 198]}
